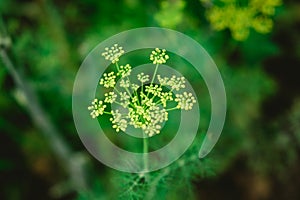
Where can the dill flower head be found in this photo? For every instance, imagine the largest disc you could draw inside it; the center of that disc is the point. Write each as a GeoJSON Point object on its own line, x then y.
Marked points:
{"type": "Point", "coordinates": [256, 14]}
{"type": "Point", "coordinates": [143, 78]}
{"type": "Point", "coordinates": [117, 121]}
{"type": "Point", "coordinates": [124, 70]}
{"type": "Point", "coordinates": [145, 107]}
{"type": "Point", "coordinates": [185, 101]}
{"type": "Point", "coordinates": [110, 97]}
{"type": "Point", "coordinates": [108, 80]}
{"type": "Point", "coordinates": [113, 53]}
{"type": "Point", "coordinates": [97, 108]}
{"type": "Point", "coordinates": [159, 56]}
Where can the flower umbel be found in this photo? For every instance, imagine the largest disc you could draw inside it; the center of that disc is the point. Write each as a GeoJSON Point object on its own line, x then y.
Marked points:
{"type": "Point", "coordinates": [253, 14]}
{"type": "Point", "coordinates": [108, 80]}
{"type": "Point", "coordinates": [97, 108]}
{"type": "Point", "coordinates": [145, 106]}
{"type": "Point", "coordinates": [124, 71]}
{"type": "Point", "coordinates": [143, 78]}
{"type": "Point", "coordinates": [185, 101]}
{"type": "Point", "coordinates": [110, 97]}
{"type": "Point", "coordinates": [113, 53]}
{"type": "Point", "coordinates": [159, 56]}
{"type": "Point", "coordinates": [117, 121]}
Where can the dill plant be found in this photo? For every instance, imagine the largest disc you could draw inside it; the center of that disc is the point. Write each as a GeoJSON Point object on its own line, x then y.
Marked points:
{"type": "Point", "coordinates": [144, 106]}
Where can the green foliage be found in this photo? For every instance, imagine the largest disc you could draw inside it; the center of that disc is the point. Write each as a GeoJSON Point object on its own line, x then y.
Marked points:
{"type": "Point", "coordinates": [170, 14]}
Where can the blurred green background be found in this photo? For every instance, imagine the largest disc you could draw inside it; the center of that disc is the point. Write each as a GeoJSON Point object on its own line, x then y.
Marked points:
{"type": "Point", "coordinates": [255, 44]}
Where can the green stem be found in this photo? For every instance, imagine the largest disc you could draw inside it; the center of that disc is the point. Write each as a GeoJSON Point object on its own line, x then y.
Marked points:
{"type": "Point", "coordinates": [154, 74]}
{"type": "Point", "coordinates": [74, 163]}
{"type": "Point", "coordinates": [134, 92]}
{"type": "Point", "coordinates": [174, 108]}
{"type": "Point", "coordinates": [117, 65]}
{"type": "Point", "coordinates": [120, 95]}
{"type": "Point", "coordinates": [145, 151]}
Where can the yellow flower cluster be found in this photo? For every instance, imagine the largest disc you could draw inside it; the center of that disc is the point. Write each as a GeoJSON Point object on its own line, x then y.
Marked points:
{"type": "Point", "coordinates": [240, 19]}
{"type": "Point", "coordinates": [159, 56]}
{"type": "Point", "coordinates": [97, 108]}
{"type": "Point", "coordinates": [145, 106]}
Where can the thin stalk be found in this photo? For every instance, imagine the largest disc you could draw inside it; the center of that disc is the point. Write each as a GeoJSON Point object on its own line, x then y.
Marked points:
{"type": "Point", "coordinates": [174, 108]}
{"type": "Point", "coordinates": [70, 161]}
{"type": "Point", "coordinates": [117, 65]}
{"type": "Point", "coordinates": [145, 152]}
{"type": "Point", "coordinates": [154, 74]}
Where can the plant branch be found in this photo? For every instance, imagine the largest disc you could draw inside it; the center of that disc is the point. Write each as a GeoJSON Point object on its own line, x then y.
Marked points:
{"type": "Point", "coordinates": [145, 152]}
{"type": "Point", "coordinates": [72, 163]}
